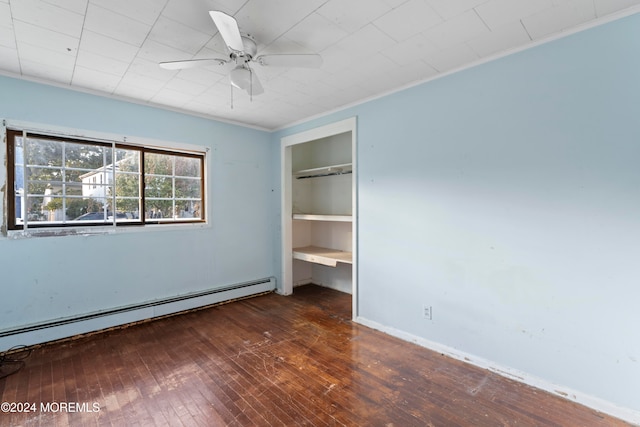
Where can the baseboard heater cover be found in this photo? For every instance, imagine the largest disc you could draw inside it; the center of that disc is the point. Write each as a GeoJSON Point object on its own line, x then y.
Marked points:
{"type": "Point", "coordinates": [133, 307]}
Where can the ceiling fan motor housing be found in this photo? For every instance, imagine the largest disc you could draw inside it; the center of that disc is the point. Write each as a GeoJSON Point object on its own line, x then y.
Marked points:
{"type": "Point", "coordinates": [250, 50]}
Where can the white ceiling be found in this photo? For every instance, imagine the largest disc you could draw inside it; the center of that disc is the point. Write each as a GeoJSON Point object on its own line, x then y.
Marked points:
{"type": "Point", "coordinates": [369, 47]}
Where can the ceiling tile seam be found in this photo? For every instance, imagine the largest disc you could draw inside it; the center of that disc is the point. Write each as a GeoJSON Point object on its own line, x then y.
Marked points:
{"type": "Point", "coordinates": [556, 7]}
{"type": "Point", "coordinates": [15, 39]}
{"type": "Point", "coordinates": [183, 58]}
{"type": "Point", "coordinates": [138, 51]}
{"type": "Point", "coordinates": [381, 30]}
{"type": "Point", "coordinates": [490, 31]}
{"type": "Point", "coordinates": [373, 22]}
{"type": "Point", "coordinates": [466, 43]}
{"type": "Point", "coordinates": [596, 9]}
{"type": "Point", "coordinates": [481, 19]}
{"type": "Point", "coordinates": [176, 76]}
{"type": "Point", "coordinates": [68, 51]}
{"type": "Point", "coordinates": [75, 62]}
{"type": "Point", "coordinates": [183, 24]}
{"type": "Point", "coordinates": [110, 38]}
{"type": "Point", "coordinates": [526, 30]}
{"type": "Point", "coordinates": [440, 16]}
{"type": "Point", "coordinates": [294, 25]}
{"type": "Point", "coordinates": [131, 17]}
{"type": "Point", "coordinates": [54, 3]}
{"type": "Point", "coordinates": [424, 60]}
{"type": "Point", "coordinates": [234, 17]}
{"type": "Point", "coordinates": [202, 49]}
{"type": "Point", "coordinates": [40, 26]}
{"type": "Point", "coordinates": [431, 64]}
{"type": "Point", "coordinates": [193, 56]}
{"type": "Point", "coordinates": [239, 9]}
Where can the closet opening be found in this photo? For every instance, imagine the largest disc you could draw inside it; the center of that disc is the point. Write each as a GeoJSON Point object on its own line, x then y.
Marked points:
{"type": "Point", "coordinates": [319, 205]}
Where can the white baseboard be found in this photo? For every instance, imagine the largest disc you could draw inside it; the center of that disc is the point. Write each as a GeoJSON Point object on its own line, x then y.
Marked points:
{"type": "Point", "coordinates": [626, 414]}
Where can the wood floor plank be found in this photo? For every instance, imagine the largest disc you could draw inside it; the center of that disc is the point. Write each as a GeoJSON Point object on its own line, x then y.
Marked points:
{"type": "Point", "coordinates": [273, 361]}
{"type": "Point", "coordinates": [220, 372]}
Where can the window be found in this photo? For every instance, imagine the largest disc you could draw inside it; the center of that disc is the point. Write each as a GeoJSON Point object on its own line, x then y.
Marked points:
{"type": "Point", "coordinates": [58, 181]}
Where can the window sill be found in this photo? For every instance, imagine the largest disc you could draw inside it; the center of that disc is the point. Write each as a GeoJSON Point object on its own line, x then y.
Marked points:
{"type": "Point", "coordinates": [100, 230]}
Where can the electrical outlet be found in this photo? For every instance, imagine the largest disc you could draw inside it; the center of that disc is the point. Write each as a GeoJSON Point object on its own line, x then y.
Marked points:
{"type": "Point", "coordinates": [427, 312]}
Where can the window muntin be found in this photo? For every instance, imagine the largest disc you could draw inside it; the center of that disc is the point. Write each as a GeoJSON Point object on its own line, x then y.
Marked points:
{"type": "Point", "coordinates": [68, 182]}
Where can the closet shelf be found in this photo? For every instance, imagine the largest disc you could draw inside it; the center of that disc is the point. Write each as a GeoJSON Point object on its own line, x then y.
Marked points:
{"type": "Point", "coordinates": [324, 256]}
{"type": "Point", "coordinates": [317, 217]}
{"type": "Point", "coordinates": [324, 171]}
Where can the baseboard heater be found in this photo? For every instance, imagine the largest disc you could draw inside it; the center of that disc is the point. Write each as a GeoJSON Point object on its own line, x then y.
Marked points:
{"type": "Point", "coordinates": [270, 281]}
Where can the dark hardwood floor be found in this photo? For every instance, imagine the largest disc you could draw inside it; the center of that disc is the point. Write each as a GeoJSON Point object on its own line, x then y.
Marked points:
{"type": "Point", "coordinates": [270, 360]}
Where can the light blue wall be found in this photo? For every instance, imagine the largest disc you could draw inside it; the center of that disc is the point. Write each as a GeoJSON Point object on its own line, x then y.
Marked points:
{"type": "Point", "coordinates": [507, 197]}
{"type": "Point", "coordinates": [47, 278]}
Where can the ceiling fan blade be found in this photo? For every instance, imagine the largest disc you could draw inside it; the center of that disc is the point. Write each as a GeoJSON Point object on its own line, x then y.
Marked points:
{"type": "Point", "coordinates": [228, 27]}
{"type": "Point", "coordinates": [291, 60]}
{"type": "Point", "coordinates": [191, 63]}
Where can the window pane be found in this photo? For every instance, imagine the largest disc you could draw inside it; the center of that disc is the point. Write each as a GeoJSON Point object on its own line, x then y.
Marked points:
{"type": "Point", "coordinates": [187, 210]}
{"type": "Point", "coordinates": [78, 175]}
{"type": "Point", "coordinates": [49, 189]}
{"type": "Point", "coordinates": [37, 174]}
{"type": "Point", "coordinates": [44, 188]}
{"type": "Point", "coordinates": [53, 209]}
{"type": "Point", "coordinates": [159, 209]}
{"type": "Point", "coordinates": [85, 156]}
{"type": "Point", "coordinates": [188, 166]}
{"type": "Point", "coordinates": [35, 209]}
{"type": "Point", "coordinates": [158, 164]}
{"type": "Point", "coordinates": [77, 207]}
{"type": "Point", "coordinates": [158, 187]}
{"type": "Point", "coordinates": [43, 152]}
{"type": "Point", "coordinates": [73, 189]}
{"type": "Point", "coordinates": [127, 209]}
{"type": "Point", "coordinates": [128, 160]}
{"type": "Point", "coordinates": [127, 185]}
{"type": "Point", "coordinates": [187, 188]}
{"type": "Point", "coordinates": [89, 209]}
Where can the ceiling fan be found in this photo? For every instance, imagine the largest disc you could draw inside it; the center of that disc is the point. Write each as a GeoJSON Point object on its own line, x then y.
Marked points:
{"type": "Point", "coordinates": [242, 51]}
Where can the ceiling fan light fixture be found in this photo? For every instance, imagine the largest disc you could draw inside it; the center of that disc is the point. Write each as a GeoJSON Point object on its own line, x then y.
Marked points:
{"type": "Point", "coordinates": [240, 77]}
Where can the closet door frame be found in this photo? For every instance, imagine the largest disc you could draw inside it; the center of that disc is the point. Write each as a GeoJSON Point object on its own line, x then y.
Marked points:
{"type": "Point", "coordinates": [286, 144]}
